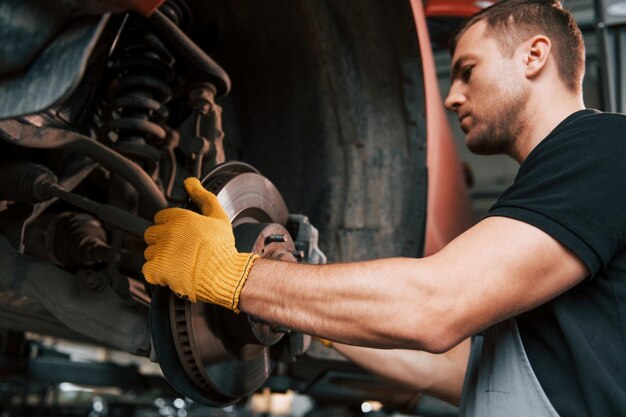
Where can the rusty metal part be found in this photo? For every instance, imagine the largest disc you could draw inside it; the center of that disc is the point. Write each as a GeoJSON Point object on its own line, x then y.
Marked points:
{"type": "Point", "coordinates": [151, 198]}
{"type": "Point", "coordinates": [226, 356]}
{"type": "Point", "coordinates": [33, 183]}
{"type": "Point", "coordinates": [208, 140]}
{"type": "Point", "coordinates": [17, 216]}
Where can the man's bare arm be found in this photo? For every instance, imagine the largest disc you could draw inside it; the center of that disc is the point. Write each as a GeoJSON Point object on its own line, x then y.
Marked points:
{"type": "Point", "coordinates": [497, 269]}
{"type": "Point", "coordinates": [440, 375]}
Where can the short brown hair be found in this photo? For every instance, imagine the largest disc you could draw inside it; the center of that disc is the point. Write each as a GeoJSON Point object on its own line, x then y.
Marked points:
{"type": "Point", "coordinates": [514, 21]}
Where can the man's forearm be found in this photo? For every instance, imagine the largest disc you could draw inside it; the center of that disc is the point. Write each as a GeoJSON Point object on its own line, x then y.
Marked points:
{"type": "Point", "coordinates": [379, 303]}
{"type": "Point", "coordinates": [439, 375]}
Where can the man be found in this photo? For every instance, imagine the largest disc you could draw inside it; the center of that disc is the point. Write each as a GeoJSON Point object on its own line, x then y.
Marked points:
{"type": "Point", "coordinates": [543, 276]}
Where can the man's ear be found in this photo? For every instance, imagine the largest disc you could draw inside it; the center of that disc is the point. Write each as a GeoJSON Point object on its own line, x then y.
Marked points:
{"type": "Point", "coordinates": [536, 55]}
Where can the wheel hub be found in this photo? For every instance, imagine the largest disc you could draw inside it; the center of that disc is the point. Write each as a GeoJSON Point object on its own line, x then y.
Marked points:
{"type": "Point", "coordinates": [207, 352]}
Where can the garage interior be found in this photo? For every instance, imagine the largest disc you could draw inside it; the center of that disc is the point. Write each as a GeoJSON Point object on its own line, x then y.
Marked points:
{"type": "Point", "coordinates": [77, 338]}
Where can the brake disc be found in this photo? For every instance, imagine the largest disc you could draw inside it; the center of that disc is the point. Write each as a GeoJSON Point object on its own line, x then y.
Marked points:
{"type": "Point", "coordinates": [206, 352]}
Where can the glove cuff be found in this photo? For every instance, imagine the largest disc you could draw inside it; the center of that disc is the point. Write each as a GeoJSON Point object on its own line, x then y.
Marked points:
{"type": "Point", "coordinates": [229, 279]}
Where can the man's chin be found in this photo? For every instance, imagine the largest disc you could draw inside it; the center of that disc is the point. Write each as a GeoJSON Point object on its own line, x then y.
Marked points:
{"type": "Point", "coordinates": [481, 145]}
{"type": "Point", "coordinates": [473, 143]}
{"type": "Point", "coordinates": [480, 150]}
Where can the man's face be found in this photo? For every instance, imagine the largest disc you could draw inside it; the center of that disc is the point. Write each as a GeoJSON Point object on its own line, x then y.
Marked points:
{"type": "Point", "coordinates": [487, 93]}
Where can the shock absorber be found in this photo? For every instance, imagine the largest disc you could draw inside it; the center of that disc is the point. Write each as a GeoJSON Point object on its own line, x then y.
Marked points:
{"type": "Point", "coordinates": [141, 71]}
{"type": "Point", "coordinates": [140, 87]}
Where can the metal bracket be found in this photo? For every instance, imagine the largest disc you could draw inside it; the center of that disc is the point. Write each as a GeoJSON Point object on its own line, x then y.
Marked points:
{"type": "Point", "coordinates": [306, 237]}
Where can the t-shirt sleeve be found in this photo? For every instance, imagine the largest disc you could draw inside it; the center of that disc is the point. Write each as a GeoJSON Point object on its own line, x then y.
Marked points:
{"type": "Point", "coordinates": [573, 187]}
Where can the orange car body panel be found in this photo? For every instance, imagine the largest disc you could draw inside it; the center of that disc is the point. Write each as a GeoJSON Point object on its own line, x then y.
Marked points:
{"type": "Point", "coordinates": [448, 211]}
{"type": "Point", "coordinates": [453, 8]}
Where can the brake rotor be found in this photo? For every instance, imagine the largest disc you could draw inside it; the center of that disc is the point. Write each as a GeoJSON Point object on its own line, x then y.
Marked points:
{"type": "Point", "coordinates": [213, 355]}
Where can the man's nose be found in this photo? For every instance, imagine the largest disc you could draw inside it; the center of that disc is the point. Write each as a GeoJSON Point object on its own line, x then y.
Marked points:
{"type": "Point", "coordinates": [454, 99]}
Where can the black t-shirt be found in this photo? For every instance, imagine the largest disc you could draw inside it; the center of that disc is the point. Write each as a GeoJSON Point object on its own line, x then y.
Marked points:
{"type": "Point", "coordinates": [573, 187]}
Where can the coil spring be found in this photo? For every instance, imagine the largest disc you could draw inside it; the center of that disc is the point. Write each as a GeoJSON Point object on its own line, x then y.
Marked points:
{"type": "Point", "coordinates": [139, 90]}
{"type": "Point", "coordinates": [178, 12]}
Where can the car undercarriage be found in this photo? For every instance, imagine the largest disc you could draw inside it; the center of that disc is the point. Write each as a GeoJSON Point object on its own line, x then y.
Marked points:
{"type": "Point", "coordinates": [307, 119]}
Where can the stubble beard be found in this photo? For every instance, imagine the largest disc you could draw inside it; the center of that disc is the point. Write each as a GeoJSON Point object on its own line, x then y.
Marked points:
{"type": "Point", "coordinates": [497, 132]}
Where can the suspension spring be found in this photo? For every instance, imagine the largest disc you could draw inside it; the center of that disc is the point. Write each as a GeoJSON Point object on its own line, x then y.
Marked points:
{"type": "Point", "coordinates": [178, 12]}
{"type": "Point", "coordinates": [142, 70]}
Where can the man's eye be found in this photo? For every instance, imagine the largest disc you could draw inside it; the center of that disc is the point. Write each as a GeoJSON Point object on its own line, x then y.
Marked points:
{"type": "Point", "coordinates": [466, 73]}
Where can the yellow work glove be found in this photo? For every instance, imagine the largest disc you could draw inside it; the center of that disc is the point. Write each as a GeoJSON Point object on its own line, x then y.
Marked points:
{"type": "Point", "coordinates": [195, 254]}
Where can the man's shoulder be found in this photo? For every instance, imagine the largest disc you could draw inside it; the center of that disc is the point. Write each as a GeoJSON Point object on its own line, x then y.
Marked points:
{"type": "Point", "coordinates": [593, 128]}
{"type": "Point", "coordinates": [587, 135]}
{"type": "Point", "coordinates": [599, 118]}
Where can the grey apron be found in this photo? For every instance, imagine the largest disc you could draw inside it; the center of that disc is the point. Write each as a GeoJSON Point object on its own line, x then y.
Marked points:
{"type": "Point", "coordinates": [499, 380]}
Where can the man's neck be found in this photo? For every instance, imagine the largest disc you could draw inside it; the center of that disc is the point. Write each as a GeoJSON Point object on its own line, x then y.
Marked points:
{"type": "Point", "coordinates": [542, 117]}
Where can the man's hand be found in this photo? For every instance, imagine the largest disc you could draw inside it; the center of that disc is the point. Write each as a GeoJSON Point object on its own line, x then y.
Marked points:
{"type": "Point", "coordinates": [195, 254]}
